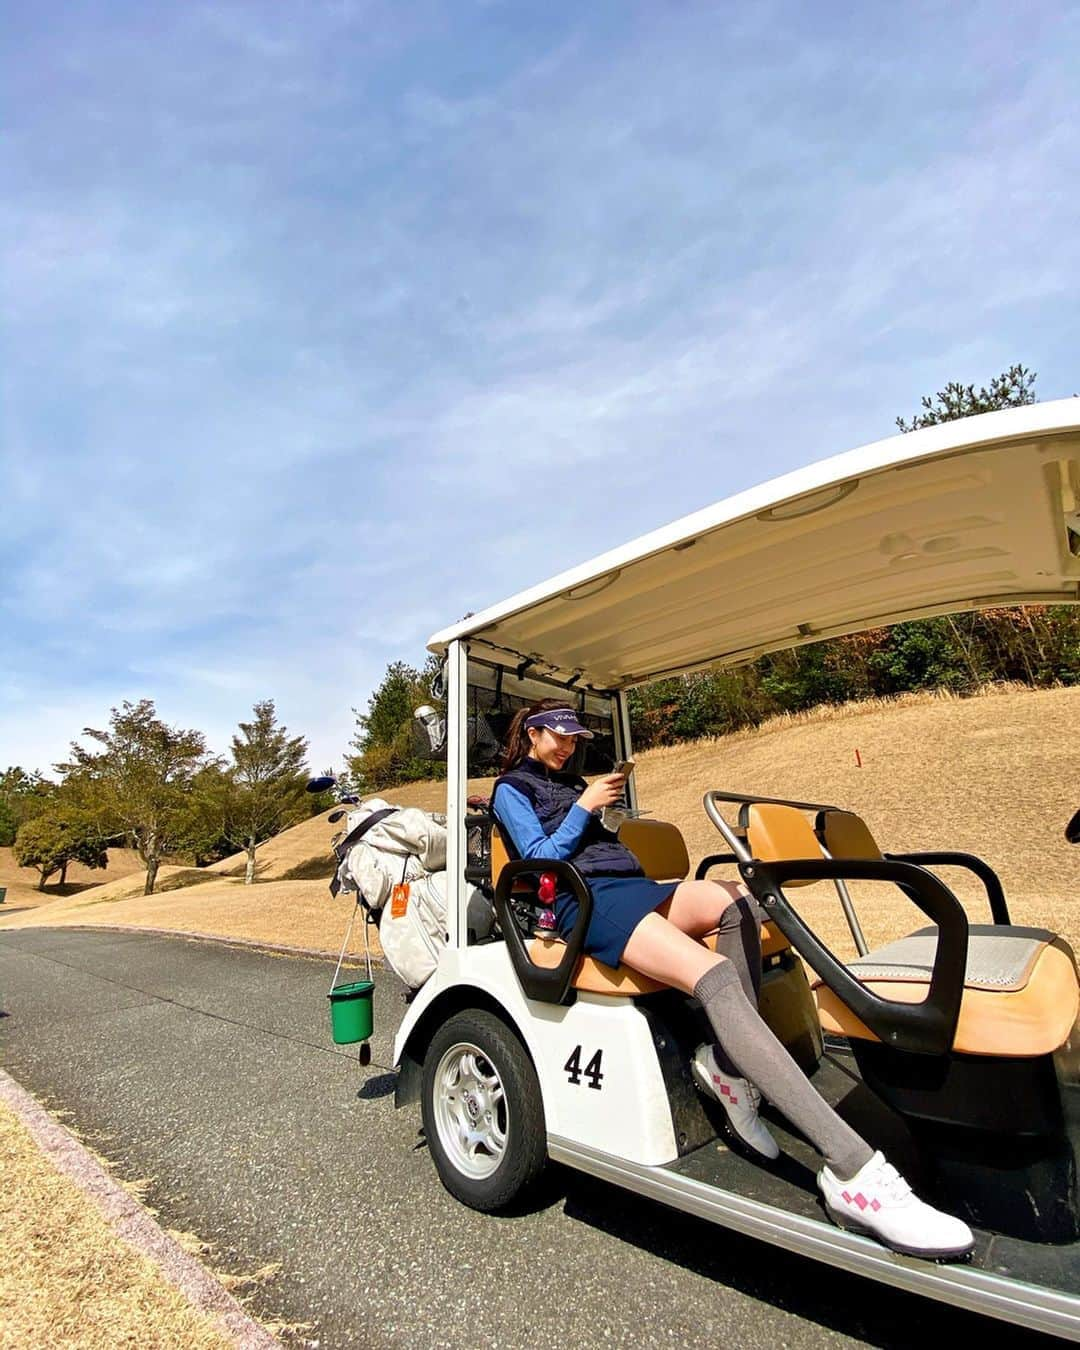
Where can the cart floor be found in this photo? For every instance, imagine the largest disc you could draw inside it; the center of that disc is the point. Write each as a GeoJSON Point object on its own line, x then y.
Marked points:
{"type": "Point", "coordinates": [790, 1182]}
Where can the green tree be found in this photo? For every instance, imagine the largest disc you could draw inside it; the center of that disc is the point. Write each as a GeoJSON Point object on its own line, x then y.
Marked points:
{"type": "Point", "coordinates": [22, 795]}
{"type": "Point", "coordinates": [384, 751]}
{"type": "Point", "coordinates": [920, 654]}
{"type": "Point", "coordinates": [262, 791]}
{"type": "Point", "coordinates": [135, 780]}
{"type": "Point", "coordinates": [9, 825]}
{"type": "Point", "coordinates": [56, 837]}
{"type": "Point", "coordinates": [803, 677]}
{"type": "Point", "coordinates": [1013, 388]}
{"type": "Point", "coordinates": [200, 833]}
{"type": "Point", "coordinates": [389, 708]}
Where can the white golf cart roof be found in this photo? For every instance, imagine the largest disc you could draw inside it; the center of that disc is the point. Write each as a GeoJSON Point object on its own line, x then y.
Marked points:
{"type": "Point", "coordinates": [965, 515]}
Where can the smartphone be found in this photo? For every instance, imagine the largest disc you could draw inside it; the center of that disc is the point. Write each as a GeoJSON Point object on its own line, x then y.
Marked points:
{"type": "Point", "coordinates": [625, 767]}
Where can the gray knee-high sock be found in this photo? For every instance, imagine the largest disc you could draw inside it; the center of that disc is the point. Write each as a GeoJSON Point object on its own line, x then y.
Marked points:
{"type": "Point", "coordinates": [738, 937]}
{"type": "Point", "coordinates": [762, 1059]}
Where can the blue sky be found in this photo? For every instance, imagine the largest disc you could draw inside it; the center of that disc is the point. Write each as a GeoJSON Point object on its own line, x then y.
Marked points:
{"type": "Point", "coordinates": [325, 323]}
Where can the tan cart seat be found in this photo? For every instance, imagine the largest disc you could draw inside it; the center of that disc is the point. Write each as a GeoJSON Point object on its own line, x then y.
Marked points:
{"type": "Point", "coordinates": [1020, 987]}
{"type": "Point", "coordinates": [661, 850]}
{"type": "Point", "coordinates": [658, 845]}
{"type": "Point", "coordinates": [593, 977]}
{"type": "Point", "coordinates": [1020, 990]}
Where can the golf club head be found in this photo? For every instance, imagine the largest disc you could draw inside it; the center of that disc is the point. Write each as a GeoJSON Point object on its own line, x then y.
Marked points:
{"type": "Point", "coordinates": [434, 725]}
{"type": "Point", "coordinates": [322, 784]}
{"type": "Point", "coordinates": [1072, 830]}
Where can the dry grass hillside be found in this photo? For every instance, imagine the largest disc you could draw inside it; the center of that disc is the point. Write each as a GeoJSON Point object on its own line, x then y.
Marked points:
{"type": "Point", "coordinates": [996, 775]}
{"type": "Point", "coordinates": [21, 882]}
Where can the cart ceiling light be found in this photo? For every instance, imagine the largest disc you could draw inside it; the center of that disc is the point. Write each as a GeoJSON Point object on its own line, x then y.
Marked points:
{"type": "Point", "coordinates": [964, 515]}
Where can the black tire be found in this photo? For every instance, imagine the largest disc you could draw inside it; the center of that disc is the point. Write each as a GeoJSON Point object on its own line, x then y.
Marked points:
{"type": "Point", "coordinates": [492, 1174]}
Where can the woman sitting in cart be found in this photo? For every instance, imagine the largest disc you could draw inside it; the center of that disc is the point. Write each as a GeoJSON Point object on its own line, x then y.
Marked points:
{"type": "Point", "coordinates": [656, 928]}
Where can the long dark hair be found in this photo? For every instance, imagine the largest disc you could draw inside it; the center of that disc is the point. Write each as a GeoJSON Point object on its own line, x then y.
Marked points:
{"type": "Point", "coordinates": [518, 744]}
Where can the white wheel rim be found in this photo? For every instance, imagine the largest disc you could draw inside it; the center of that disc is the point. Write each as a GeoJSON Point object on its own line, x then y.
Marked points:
{"type": "Point", "coordinates": [471, 1113]}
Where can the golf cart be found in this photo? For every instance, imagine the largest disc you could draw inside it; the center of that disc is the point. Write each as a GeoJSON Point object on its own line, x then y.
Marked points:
{"type": "Point", "coordinates": [954, 1049]}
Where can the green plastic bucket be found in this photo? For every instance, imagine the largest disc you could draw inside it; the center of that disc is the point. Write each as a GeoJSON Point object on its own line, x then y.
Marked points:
{"type": "Point", "coordinates": [351, 1007]}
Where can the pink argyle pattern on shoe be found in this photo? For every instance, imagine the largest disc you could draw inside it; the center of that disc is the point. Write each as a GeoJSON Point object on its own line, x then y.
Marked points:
{"type": "Point", "coordinates": [859, 1199]}
{"type": "Point", "coordinates": [725, 1090]}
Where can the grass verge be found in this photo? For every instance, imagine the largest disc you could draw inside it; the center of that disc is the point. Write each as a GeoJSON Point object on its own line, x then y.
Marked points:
{"type": "Point", "coordinates": [67, 1278]}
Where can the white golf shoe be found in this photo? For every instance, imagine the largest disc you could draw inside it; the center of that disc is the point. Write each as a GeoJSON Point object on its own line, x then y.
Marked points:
{"type": "Point", "coordinates": [740, 1100]}
{"type": "Point", "coordinates": [879, 1202]}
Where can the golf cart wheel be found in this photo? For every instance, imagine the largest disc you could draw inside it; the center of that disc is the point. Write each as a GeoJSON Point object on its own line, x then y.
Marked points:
{"type": "Point", "coordinates": [483, 1113]}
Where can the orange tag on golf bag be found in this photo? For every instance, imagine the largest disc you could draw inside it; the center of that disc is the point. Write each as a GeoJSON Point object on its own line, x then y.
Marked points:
{"type": "Point", "coordinates": [399, 900]}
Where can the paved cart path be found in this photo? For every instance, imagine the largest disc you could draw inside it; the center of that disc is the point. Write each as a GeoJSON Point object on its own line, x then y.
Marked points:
{"type": "Point", "coordinates": [209, 1070]}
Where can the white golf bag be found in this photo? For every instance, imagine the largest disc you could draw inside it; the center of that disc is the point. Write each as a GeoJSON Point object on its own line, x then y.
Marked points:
{"type": "Point", "coordinates": [398, 866]}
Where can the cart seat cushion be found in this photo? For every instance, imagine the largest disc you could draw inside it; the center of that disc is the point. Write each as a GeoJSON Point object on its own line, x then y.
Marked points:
{"type": "Point", "coordinates": [500, 856]}
{"type": "Point", "coordinates": [658, 846]}
{"type": "Point", "coordinates": [593, 977]}
{"type": "Point", "coordinates": [998, 958]}
{"type": "Point", "coordinates": [846, 835]}
{"type": "Point", "coordinates": [1020, 995]}
{"type": "Point", "coordinates": [776, 833]}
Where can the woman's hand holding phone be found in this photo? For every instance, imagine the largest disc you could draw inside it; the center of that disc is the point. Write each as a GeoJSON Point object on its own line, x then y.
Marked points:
{"type": "Point", "coordinates": [603, 791]}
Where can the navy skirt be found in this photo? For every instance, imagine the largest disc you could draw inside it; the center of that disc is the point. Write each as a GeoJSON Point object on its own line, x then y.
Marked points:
{"type": "Point", "coordinates": [619, 905]}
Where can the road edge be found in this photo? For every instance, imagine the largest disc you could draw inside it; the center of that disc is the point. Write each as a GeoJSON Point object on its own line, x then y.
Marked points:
{"type": "Point", "coordinates": [132, 1221]}
{"type": "Point", "coordinates": [315, 953]}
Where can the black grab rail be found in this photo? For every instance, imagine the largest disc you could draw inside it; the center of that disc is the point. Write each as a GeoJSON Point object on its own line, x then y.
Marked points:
{"type": "Point", "coordinates": [539, 983]}
{"type": "Point", "coordinates": [927, 1028]}
{"type": "Point", "coordinates": [999, 909]}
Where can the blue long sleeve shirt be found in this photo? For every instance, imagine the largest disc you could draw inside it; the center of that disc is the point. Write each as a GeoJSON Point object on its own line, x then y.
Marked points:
{"type": "Point", "coordinates": [515, 812]}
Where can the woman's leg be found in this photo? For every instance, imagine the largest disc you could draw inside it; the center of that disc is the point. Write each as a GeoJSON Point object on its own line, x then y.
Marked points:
{"type": "Point", "coordinates": [695, 906]}
{"type": "Point", "coordinates": [759, 1056]}
{"type": "Point", "coordinates": [666, 952]}
{"type": "Point", "coordinates": [659, 949]}
{"type": "Point", "coordinates": [882, 1203]}
{"type": "Point", "coordinates": [738, 937]}
{"type": "Point", "coordinates": [723, 907]}
{"type": "Point", "coordinates": [861, 1189]}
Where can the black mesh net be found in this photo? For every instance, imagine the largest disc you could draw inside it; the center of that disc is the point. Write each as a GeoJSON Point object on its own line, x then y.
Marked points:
{"type": "Point", "coordinates": [494, 699]}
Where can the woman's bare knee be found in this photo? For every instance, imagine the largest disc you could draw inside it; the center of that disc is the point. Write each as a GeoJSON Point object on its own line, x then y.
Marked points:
{"type": "Point", "coordinates": [696, 906]}
{"type": "Point", "coordinates": [665, 952]}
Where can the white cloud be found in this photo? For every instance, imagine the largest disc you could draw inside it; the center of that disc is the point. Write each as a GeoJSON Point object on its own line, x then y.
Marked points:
{"type": "Point", "coordinates": [306, 309]}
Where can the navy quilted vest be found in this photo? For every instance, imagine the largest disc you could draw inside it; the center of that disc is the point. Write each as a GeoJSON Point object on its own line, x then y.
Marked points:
{"type": "Point", "coordinates": [551, 795]}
